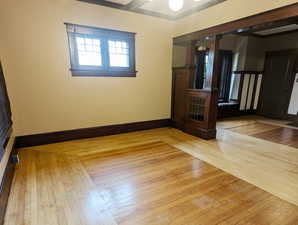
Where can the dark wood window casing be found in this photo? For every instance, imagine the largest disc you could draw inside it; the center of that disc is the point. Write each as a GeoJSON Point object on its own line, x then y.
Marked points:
{"type": "Point", "coordinates": [103, 38]}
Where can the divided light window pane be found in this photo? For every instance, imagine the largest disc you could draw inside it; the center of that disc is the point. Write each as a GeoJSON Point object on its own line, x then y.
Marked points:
{"type": "Point", "coordinates": [119, 53]}
{"type": "Point", "coordinates": [89, 51]}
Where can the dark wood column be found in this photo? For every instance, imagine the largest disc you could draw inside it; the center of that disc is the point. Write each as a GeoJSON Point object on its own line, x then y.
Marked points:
{"type": "Point", "coordinates": [183, 79]}
{"type": "Point", "coordinates": [212, 84]}
{"type": "Point", "coordinates": [190, 63]}
{"type": "Point", "coordinates": [195, 110]}
{"type": "Point", "coordinates": [213, 68]}
{"type": "Point", "coordinates": [201, 104]}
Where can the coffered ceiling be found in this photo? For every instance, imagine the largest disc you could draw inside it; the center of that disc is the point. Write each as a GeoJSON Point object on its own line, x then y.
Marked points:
{"type": "Point", "coordinates": [158, 8]}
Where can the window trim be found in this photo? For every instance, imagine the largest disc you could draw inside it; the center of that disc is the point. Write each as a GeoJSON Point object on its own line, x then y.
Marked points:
{"type": "Point", "coordinates": [74, 30]}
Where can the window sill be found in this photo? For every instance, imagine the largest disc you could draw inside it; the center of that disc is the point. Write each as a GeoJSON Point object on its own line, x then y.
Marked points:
{"type": "Point", "coordinates": [99, 73]}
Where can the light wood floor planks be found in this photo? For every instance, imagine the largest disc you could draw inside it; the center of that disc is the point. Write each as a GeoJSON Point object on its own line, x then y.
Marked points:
{"type": "Point", "coordinates": [156, 177]}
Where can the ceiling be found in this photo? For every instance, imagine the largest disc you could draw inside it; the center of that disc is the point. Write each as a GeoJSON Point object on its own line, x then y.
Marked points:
{"type": "Point", "coordinates": [158, 8]}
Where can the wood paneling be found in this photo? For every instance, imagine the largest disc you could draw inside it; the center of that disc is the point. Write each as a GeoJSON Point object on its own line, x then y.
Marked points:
{"type": "Point", "coordinates": [185, 95]}
{"type": "Point", "coordinates": [67, 135]}
{"type": "Point", "coordinates": [180, 81]}
{"type": "Point", "coordinates": [143, 178]}
{"type": "Point", "coordinates": [202, 103]}
{"type": "Point", "coordinates": [277, 85]}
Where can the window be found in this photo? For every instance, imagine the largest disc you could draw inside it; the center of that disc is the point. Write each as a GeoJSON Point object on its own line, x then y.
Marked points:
{"type": "Point", "coordinates": [119, 55]}
{"type": "Point", "coordinates": [202, 60]}
{"type": "Point", "coordinates": [89, 53]}
{"type": "Point", "coordinates": [101, 52]}
{"type": "Point", "coordinates": [224, 84]}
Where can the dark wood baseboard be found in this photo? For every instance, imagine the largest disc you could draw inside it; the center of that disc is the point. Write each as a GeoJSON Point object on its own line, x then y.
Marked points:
{"type": "Point", "coordinates": [6, 184]}
{"type": "Point", "coordinates": [235, 113]}
{"type": "Point", "coordinates": [178, 125]}
{"type": "Point", "coordinates": [67, 135]}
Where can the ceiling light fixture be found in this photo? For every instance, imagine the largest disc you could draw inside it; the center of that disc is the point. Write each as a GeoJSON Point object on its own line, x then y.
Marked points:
{"type": "Point", "coordinates": [176, 5]}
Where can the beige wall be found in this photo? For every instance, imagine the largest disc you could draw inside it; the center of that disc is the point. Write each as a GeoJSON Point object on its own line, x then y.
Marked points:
{"type": "Point", "coordinates": [224, 12]}
{"type": "Point", "coordinates": [44, 95]}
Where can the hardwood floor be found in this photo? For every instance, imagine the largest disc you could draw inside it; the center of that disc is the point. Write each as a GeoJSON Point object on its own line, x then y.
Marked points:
{"type": "Point", "coordinates": [160, 176]}
{"type": "Point", "coordinates": [282, 135]}
{"type": "Point", "coordinates": [274, 133]}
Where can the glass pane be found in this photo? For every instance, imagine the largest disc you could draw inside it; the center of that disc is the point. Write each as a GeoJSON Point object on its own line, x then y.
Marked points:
{"type": "Point", "coordinates": [196, 108]}
{"type": "Point", "coordinates": [118, 54]}
{"type": "Point", "coordinates": [80, 40]}
{"type": "Point", "coordinates": [89, 51]}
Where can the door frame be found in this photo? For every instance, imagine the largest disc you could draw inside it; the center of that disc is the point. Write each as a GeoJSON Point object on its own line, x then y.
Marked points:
{"type": "Point", "coordinates": [266, 20]}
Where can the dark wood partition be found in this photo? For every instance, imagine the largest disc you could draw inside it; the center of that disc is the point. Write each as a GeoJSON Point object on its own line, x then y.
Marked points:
{"type": "Point", "coordinates": [200, 116]}
{"type": "Point", "coordinates": [194, 110]}
{"type": "Point", "coordinates": [181, 79]}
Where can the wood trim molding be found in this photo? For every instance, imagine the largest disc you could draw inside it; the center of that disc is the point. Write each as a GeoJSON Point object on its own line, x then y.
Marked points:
{"type": "Point", "coordinates": [261, 20]}
{"type": "Point", "coordinates": [104, 35]}
{"type": "Point", "coordinates": [6, 183]}
{"type": "Point", "coordinates": [67, 135]}
{"type": "Point", "coordinates": [135, 6]}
